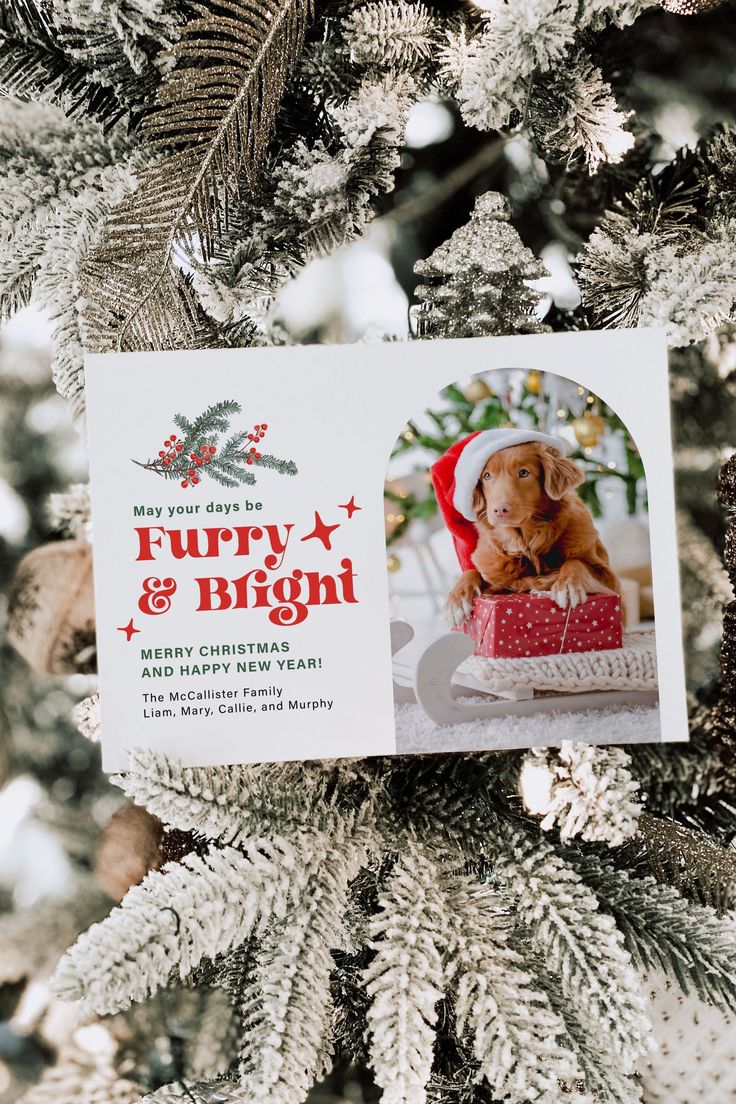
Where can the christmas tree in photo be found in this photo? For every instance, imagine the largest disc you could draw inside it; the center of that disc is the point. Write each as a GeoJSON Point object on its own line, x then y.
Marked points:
{"type": "Point", "coordinates": [530, 926]}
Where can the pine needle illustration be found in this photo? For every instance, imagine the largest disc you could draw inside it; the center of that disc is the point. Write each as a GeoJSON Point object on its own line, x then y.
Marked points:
{"type": "Point", "coordinates": [201, 449]}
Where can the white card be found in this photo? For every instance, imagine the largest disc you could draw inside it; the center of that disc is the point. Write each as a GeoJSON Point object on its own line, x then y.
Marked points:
{"type": "Point", "coordinates": [251, 622]}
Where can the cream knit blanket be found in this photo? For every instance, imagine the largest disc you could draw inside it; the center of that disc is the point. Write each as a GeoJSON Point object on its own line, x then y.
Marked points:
{"type": "Point", "coordinates": [630, 667]}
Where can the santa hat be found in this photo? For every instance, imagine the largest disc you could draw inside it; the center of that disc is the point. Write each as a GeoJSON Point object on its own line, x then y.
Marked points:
{"type": "Point", "coordinates": [456, 474]}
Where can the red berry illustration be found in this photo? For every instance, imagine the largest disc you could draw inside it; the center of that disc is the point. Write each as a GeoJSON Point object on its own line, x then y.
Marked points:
{"type": "Point", "coordinates": [175, 462]}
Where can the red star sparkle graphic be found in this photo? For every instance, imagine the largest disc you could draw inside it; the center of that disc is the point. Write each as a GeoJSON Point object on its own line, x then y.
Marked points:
{"type": "Point", "coordinates": [128, 629]}
{"type": "Point", "coordinates": [350, 507]}
{"type": "Point", "coordinates": [321, 532]}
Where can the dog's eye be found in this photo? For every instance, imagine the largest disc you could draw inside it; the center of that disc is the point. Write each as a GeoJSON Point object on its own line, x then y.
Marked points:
{"type": "Point", "coordinates": [523, 473]}
{"type": "Point", "coordinates": [487, 475]}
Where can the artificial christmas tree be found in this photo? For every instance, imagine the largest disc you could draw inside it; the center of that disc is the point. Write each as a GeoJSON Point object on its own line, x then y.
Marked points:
{"type": "Point", "coordinates": [164, 174]}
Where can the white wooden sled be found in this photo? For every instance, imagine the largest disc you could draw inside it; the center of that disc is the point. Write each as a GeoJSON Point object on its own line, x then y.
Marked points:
{"type": "Point", "coordinates": [436, 683]}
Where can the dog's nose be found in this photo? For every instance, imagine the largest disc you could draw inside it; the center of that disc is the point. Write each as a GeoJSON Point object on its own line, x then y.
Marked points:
{"type": "Point", "coordinates": [501, 509]}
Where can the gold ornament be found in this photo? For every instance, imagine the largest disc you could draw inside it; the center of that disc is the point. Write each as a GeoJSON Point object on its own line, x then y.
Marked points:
{"type": "Point", "coordinates": [533, 382]}
{"type": "Point", "coordinates": [130, 846]}
{"type": "Point", "coordinates": [478, 390]}
{"type": "Point", "coordinates": [393, 563]}
{"type": "Point", "coordinates": [51, 614]}
{"type": "Point", "coordinates": [588, 429]}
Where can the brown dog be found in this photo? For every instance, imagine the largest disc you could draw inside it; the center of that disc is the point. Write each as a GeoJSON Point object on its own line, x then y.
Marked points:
{"type": "Point", "coordinates": [534, 532]}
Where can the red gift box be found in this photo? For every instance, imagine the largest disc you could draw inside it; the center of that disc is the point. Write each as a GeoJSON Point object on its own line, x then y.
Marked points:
{"type": "Point", "coordinates": [519, 625]}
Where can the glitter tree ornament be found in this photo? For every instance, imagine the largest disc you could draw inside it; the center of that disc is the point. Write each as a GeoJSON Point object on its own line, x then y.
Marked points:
{"type": "Point", "coordinates": [476, 283]}
{"type": "Point", "coordinates": [690, 7]}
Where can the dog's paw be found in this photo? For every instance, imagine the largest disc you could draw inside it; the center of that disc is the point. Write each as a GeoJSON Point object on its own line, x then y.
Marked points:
{"type": "Point", "coordinates": [459, 604]}
{"type": "Point", "coordinates": [457, 611]}
{"type": "Point", "coordinates": [568, 595]}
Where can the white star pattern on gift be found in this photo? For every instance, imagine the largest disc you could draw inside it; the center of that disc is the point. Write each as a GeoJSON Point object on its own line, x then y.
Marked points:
{"type": "Point", "coordinates": [534, 635]}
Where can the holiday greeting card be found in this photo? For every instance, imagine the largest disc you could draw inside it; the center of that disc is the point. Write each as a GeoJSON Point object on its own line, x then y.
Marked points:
{"type": "Point", "coordinates": [423, 547]}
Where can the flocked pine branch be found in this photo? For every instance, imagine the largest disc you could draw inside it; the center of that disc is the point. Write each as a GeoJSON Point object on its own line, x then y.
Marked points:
{"type": "Point", "coordinates": [405, 980]}
{"type": "Point", "coordinates": [605, 1082]}
{"type": "Point", "coordinates": [75, 1077]}
{"type": "Point", "coordinates": [287, 1040]}
{"type": "Point", "coordinates": [174, 919]}
{"type": "Point", "coordinates": [316, 198]}
{"type": "Point", "coordinates": [37, 68]}
{"type": "Point", "coordinates": [517, 42]}
{"type": "Point", "coordinates": [517, 1038]}
{"type": "Point", "coordinates": [579, 943]}
{"type": "Point", "coordinates": [575, 116]}
{"type": "Point", "coordinates": [391, 32]}
{"type": "Point", "coordinates": [663, 930]}
{"type": "Point", "coordinates": [242, 802]}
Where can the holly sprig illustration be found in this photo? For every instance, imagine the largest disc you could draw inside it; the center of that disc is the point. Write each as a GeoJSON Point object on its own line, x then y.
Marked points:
{"type": "Point", "coordinates": [200, 450]}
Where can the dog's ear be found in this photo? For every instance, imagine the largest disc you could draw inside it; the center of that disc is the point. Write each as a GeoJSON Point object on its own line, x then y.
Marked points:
{"type": "Point", "coordinates": [560, 474]}
{"type": "Point", "coordinates": [479, 499]}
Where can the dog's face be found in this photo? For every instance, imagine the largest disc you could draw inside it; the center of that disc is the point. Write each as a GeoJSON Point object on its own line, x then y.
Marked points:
{"type": "Point", "coordinates": [517, 483]}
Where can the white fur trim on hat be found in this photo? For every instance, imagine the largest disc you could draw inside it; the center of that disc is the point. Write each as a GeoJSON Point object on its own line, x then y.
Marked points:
{"type": "Point", "coordinates": [472, 460]}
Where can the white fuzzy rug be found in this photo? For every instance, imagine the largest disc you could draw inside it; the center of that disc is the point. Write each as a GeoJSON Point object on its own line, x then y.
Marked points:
{"type": "Point", "coordinates": [415, 732]}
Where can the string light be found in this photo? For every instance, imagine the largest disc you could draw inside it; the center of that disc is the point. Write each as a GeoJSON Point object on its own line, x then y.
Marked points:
{"type": "Point", "coordinates": [536, 787]}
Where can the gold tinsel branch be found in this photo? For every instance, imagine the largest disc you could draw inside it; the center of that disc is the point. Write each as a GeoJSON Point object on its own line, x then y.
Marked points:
{"type": "Point", "coordinates": [213, 120]}
{"type": "Point", "coordinates": [687, 859]}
